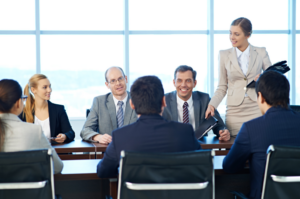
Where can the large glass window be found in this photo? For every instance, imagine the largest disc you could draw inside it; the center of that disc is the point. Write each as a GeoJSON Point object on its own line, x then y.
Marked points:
{"type": "Point", "coordinates": [81, 15]}
{"type": "Point", "coordinates": [17, 57]}
{"type": "Point", "coordinates": [75, 41]}
{"type": "Point", "coordinates": [17, 15]}
{"type": "Point", "coordinates": [160, 55]}
{"type": "Point", "coordinates": [76, 65]}
{"type": "Point", "coordinates": [168, 15]}
{"type": "Point", "coordinates": [264, 15]}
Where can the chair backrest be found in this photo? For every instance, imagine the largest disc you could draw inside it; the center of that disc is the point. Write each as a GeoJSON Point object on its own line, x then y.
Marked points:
{"type": "Point", "coordinates": [27, 174]}
{"type": "Point", "coordinates": [87, 112]}
{"type": "Point", "coordinates": [166, 175]}
{"type": "Point", "coordinates": [295, 108]}
{"type": "Point", "coordinates": [282, 173]}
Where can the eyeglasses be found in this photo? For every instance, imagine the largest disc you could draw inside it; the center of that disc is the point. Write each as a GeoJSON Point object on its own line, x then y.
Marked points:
{"type": "Point", "coordinates": [24, 97]}
{"type": "Point", "coordinates": [120, 80]}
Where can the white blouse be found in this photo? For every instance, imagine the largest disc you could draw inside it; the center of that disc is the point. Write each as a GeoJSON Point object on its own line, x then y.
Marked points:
{"type": "Point", "coordinates": [45, 126]}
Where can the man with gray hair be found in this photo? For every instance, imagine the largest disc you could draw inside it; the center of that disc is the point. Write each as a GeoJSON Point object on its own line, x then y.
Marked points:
{"type": "Point", "coordinates": [109, 111]}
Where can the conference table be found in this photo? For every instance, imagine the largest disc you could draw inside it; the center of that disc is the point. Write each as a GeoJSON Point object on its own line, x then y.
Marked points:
{"type": "Point", "coordinates": [79, 180]}
{"type": "Point", "coordinates": [94, 150]}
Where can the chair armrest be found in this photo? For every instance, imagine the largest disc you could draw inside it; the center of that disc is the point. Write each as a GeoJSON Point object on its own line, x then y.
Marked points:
{"type": "Point", "coordinates": [166, 186]}
{"type": "Point", "coordinates": [23, 185]}
{"type": "Point", "coordinates": [285, 178]}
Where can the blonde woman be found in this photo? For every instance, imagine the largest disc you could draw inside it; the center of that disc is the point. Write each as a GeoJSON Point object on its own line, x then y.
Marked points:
{"type": "Point", "coordinates": [16, 135]}
{"type": "Point", "coordinates": [39, 110]}
{"type": "Point", "coordinates": [238, 66]}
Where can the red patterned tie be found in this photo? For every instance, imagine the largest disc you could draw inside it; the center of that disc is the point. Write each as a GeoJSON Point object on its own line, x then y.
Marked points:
{"type": "Point", "coordinates": [185, 113]}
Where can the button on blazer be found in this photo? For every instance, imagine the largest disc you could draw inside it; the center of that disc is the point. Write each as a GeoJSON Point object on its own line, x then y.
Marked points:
{"type": "Point", "coordinates": [232, 79]}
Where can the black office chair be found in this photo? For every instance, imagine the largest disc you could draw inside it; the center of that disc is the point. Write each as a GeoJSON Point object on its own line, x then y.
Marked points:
{"type": "Point", "coordinates": [295, 108]}
{"type": "Point", "coordinates": [167, 175]}
{"type": "Point", "coordinates": [282, 173]}
{"type": "Point", "coordinates": [27, 174]}
{"type": "Point", "coordinates": [87, 112]}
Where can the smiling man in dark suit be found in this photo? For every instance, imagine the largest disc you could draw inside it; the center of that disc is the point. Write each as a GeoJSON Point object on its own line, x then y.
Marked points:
{"type": "Point", "coordinates": [151, 132]}
{"type": "Point", "coordinates": [110, 111]}
{"type": "Point", "coordinates": [279, 125]}
{"type": "Point", "coordinates": [186, 106]}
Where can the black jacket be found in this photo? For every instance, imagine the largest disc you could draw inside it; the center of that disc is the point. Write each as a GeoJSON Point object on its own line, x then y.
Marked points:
{"type": "Point", "coordinates": [59, 121]}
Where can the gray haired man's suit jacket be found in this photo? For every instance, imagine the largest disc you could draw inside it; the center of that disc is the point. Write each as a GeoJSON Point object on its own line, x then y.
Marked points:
{"type": "Point", "coordinates": [102, 118]}
{"type": "Point", "coordinates": [200, 101]}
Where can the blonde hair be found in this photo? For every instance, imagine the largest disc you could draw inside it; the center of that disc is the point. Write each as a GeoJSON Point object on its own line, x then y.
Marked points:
{"type": "Point", "coordinates": [30, 102]}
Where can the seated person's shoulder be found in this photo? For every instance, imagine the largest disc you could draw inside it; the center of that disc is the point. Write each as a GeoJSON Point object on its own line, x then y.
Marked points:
{"type": "Point", "coordinates": [102, 98]}
{"type": "Point", "coordinates": [180, 127]}
{"type": "Point", "coordinates": [201, 95]}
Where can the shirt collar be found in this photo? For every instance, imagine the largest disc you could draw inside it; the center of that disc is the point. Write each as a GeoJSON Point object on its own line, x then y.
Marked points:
{"type": "Point", "coordinates": [124, 100]}
{"type": "Point", "coordinates": [239, 53]}
{"type": "Point", "coordinates": [181, 102]}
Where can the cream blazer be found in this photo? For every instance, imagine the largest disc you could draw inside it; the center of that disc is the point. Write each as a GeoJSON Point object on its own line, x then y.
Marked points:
{"type": "Point", "coordinates": [232, 79]}
{"type": "Point", "coordinates": [21, 136]}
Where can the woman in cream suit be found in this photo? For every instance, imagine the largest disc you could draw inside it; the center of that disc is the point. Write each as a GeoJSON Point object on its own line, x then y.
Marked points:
{"type": "Point", "coordinates": [238, 66]}
{"type": "Point", "coordinates": [16, 135]}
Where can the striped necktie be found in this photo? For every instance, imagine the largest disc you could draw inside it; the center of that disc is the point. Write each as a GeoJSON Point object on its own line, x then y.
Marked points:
{"type": "Point", "coordinates": [120, 117]}
{"type": "Point", "coordinates": [185, 113]}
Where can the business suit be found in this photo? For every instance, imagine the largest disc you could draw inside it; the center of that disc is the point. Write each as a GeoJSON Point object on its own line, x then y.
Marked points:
{"type": "Point", "coordinates": [233, 81]}
{"type": "Point", "coordinates": [102, 117]}
{"type": "Point", "coordinates": [200, 102]}
{"type": "Point", "coordinates": [21, 136]}
{"type": "Point", "coordinates": [150, 133]}
{"type": "Point", "coordinates": [278, 126]}
{"type": "Point", "coordinates": [59, 121]}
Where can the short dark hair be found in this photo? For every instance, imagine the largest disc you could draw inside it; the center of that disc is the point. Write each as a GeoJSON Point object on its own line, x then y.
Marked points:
{"type": "Point", "coordinates": [111, 68]}
{"type": "Point", "coordinates": [146, 95]}
{"type": "Point", "coordinates": [183, 68]}
{"type": "Point", "coordinates": [275, 88]}
{"type": "Point", "coordinates": [245, 25]}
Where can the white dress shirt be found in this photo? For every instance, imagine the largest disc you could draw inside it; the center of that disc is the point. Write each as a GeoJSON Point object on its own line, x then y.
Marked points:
{"type": "Point", "coordinates": [243, 59]}
{"type": "Point", "coordinates": [180, 103]}
{"type": "Point", "coordinates": [124, 103]}
{"type": "Point", "coordinates": [45, 126]}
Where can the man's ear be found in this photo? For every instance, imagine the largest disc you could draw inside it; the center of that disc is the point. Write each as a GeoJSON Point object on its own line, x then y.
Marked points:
{"type": "Point", "coordinates": [261, 98]}
{"type": "Point", "coordinates": [131, 105]}
{"type": "Point", "coordinates": [164, 103]}
{"type": "Point", "coordinates": [195, 83]}
{"type": "Point", "coordinates": [106, 84]}
{"type": "Point", "coordinates": [174, 82]}
{"type": "Point", "coordinates": [126, 81]}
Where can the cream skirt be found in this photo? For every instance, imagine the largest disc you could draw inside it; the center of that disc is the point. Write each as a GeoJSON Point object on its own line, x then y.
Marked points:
{"type": "Point", "coordinates": [237, 115]}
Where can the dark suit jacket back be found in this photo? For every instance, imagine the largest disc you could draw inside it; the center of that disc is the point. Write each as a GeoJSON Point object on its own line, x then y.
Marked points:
{"type": "Point", "coordinates": [59, 121]}
{"type": "Point", "coordinates": [200, 101]}
{"type": "Point", "coordinates": [278, 126]}
{"type": "Point", "coordinates": [151, 133]}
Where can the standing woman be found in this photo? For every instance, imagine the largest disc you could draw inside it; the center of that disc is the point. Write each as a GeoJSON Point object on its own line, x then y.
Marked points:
{"type": "Point", "coordinates": [238, 66]}
{"type": "Point", "coordinates": [39, 110]}
{"type": "Point", "coordinates": [16, 135]}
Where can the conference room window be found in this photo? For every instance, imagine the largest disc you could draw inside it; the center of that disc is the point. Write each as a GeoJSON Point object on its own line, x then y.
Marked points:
{"type": "Point", "coordinates": [160, 55]}
{"type": "Point", "coordinates": [75, 41]}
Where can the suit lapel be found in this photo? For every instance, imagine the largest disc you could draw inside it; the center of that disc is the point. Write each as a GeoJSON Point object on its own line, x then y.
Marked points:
{"type": "Point", "coordinates": [52, 118]}
{"type": "Point", "coordinates": [253, 55]}
{"type": "Point", "coordinates": [111, 110]}
{"type": "Point", "coordinates": [128, 111]}
{"type": "Point", "coordinates": [173, 106]}
{"type": "Point", "coordinates": [197, 107]}
{"type": "Point", "coordinates": [233, 58]}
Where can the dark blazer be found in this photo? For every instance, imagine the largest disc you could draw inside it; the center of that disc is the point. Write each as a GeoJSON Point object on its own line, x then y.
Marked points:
{"type": "Point", "coordinates": [59, 121]}
{"type": "Point", "coordinates": [278, 126]}
{"type": "Point", "coordinates": [200, 101]}
{"type": "Point", "coordinates": [150, 133]}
